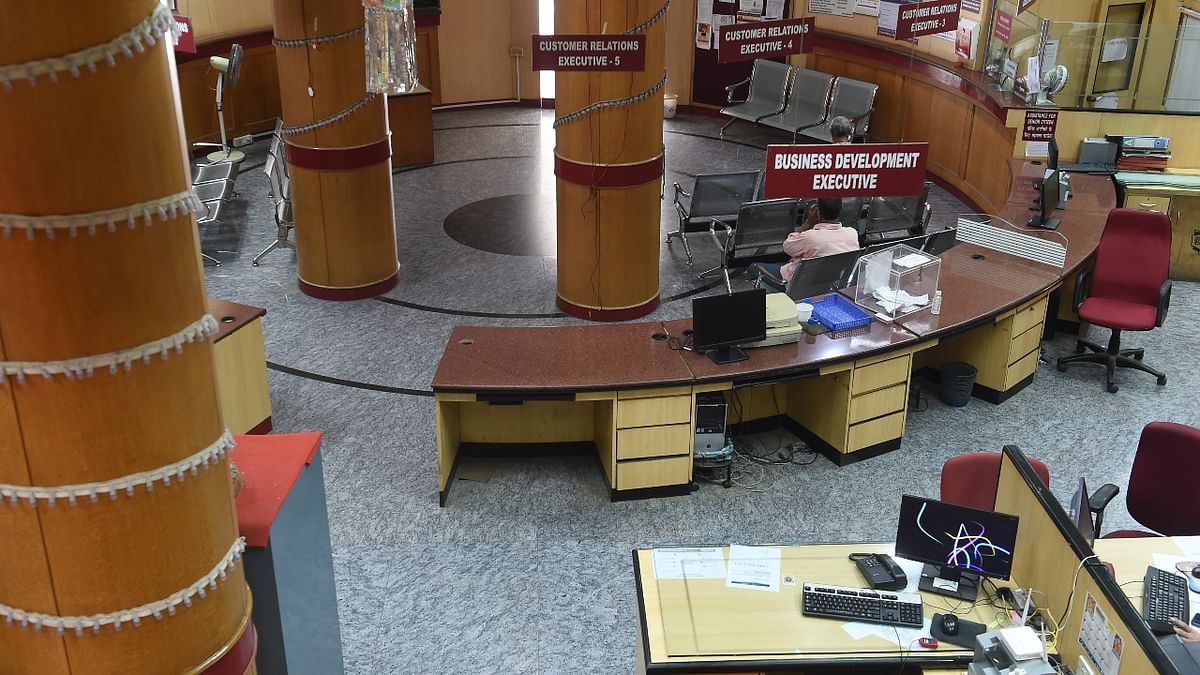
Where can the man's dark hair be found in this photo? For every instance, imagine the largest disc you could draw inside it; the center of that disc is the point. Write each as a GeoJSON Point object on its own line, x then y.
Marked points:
{"type": "Point", "coordinates": [840, 127]}
{"type": "Point", "coordinates": [829, 208]}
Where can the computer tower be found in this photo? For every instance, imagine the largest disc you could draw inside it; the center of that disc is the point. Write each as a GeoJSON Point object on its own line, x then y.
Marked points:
{"type": "Point", "coordinates": [711, 411]}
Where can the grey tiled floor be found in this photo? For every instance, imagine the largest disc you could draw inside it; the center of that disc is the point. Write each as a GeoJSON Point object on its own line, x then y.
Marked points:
{"type": "Point", "coordinates": [531, 571]}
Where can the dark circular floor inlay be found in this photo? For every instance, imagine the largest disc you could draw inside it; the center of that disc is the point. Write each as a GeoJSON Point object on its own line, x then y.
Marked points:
{"type": "Point", "coordinates": [510, 225]}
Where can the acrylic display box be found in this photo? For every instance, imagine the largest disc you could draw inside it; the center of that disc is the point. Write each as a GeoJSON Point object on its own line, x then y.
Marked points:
{"type": "Point", "coordinates": [896, 281]}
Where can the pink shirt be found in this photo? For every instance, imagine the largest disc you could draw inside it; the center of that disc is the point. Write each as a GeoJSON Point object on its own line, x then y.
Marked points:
{"type": "Point", "coordinates": [822, 239]}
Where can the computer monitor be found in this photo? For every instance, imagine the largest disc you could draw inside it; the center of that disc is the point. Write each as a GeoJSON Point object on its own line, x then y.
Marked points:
{"type": "Point", "coordinates": [941, 241]}
{"type": "Point", "coordinates": [722, 322]}
{"type": "Point", "coordinates": [1053, 161]}
{"type": "Point", "coordinates": [1049, 194]}
{"type": "Point", "coordinates": [1081, 512]}
{"type": "Point", "coordinates": [958, 544]}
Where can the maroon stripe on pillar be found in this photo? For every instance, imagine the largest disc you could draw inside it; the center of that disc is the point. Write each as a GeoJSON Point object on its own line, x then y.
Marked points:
{"type": "Point", "coordinates": [608, 175]}
{"type": "Point", "coordinates": [599, 314]}
{"type": "Point", "coordinates": [339, 159]}
{"type": "Point", "coordinates": [237, 660]}
{"type": "Point", "coordinates": [357, 293]}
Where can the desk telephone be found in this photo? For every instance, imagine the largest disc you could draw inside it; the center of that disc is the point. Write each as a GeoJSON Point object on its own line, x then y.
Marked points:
{"type": "Point", "coordinates": [880, 571]}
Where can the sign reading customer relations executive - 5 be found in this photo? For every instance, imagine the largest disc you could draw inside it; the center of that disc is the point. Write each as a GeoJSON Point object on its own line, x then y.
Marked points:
{"type": "Point", "coordinates": [927, 18]}
{"type": "Point", "coordinates": [765, 39]}
{"type": "Point", "coordinates": [589, 52]}
{"type": "Point", "coordinates": [865, 170]}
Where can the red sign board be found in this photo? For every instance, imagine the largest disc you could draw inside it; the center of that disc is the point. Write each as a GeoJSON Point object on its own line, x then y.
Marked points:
{"type": "Point", "coordinates": [1003, 26]}
{"type": "Point", "coordinates": [1039, 125]}
{"type": "Point", "coordinates": [764, 39]}
{"type": "Point", "coordinates": [864, 170]}
{"type": "Point", "coordinates": [927, 18]}
{"type": "Point", "coordinates": [187, 39]}
{"type": "Point", "coordinates": [589, 52]}
{"type": "Point", "coordinates": [1023, 5]}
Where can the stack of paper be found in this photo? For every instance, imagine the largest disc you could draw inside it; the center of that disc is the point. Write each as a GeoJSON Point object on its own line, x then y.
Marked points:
{"type": "Point", "coordinates": [891, 300]}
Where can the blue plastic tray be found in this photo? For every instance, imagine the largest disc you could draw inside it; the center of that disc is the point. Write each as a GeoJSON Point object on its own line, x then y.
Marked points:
{"type": "Point", "coordinates": [837, 313]}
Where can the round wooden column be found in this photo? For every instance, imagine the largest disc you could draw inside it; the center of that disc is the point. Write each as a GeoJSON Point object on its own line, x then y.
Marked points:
{"type": "Point", "coordinates": [609, 167]}
{"type": "Point", "coordinates": [341, 170]}
{"type": "Point", "coordinates": [94, 141]}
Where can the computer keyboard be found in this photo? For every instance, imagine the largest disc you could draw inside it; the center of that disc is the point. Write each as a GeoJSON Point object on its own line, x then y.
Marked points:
{"type": "Point", "coordinates": [862, 604]}
{"type": "Point", "coordinates": [1089, 168]}
{"type": "Point", "coordinates": [1165, 597]}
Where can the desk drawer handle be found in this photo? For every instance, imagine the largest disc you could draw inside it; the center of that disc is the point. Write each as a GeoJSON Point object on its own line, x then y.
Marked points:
{"type": "Point", "coordinates": [1146, 205]}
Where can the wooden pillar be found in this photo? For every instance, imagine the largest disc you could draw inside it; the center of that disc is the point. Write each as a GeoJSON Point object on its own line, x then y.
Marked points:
{"type": "Point", "coordinates": [341, 171]}
{"type": "Point", "coordinates": [609, 167]}
{"type": "Point", "coordinates": [88, 148]}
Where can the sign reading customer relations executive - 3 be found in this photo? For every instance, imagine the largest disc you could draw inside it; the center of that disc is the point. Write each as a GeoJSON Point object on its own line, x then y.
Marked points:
{"type": "Point", "coordinates": [865, 170]}
{"type": "Point", "coordinates": [589, 52]}
{"type": "Point", "coordinates": [765, 39]}
{"type": "Point", "coordinates": [927, 18]}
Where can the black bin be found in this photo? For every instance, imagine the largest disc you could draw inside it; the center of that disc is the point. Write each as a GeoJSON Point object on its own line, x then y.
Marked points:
{"type": "Point", "coordinates": [958, 379]}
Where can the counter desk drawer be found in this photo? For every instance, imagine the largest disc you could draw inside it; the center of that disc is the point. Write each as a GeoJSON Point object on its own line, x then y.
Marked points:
{"type": "Point", "coordinates": [646, 412]}
{"type": "Point", "coordinates": [671, 439]}
{"type": "Point", "coordinates": [647, 473]}
{"type": "Point", "coordinates": [877, 403]}
{"type": "Point", "coordinates": [1024, 343]}
{"type": "Point", "coordinates": [1029, 316]}
{"type": "Point", "coordinates": [1148, 203]}
{"type": "Point", "coordinates": [880, 375]}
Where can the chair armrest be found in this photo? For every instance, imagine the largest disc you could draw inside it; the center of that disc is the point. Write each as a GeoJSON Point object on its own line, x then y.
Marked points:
{"type": "Point", "coordinates": [1164, 302]}
{"type": "Point", "coordinates": [1083, 284]}
{"type": "Point", "coordinates": [1099, 501]}
{"type": "Point", "coordinates": [730, 89]}
{"type": "Point", "coordinates": [680, 191]}
{"type": "Point", "coordinates": [723, 246]}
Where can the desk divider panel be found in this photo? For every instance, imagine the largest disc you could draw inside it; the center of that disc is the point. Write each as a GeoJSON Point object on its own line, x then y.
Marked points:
{"type": "Point", "coordinates": [1048, 553]}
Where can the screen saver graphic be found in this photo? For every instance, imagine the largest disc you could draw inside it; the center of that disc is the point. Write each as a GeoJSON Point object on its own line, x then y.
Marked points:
{"type": "Point", "coordinates": [967, 547]}
{"type": "Point", "coordinates": [959, 537]}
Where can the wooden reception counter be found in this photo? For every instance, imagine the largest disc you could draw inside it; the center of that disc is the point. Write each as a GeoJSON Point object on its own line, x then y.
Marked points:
{"type": "Point", "coordinates": [628, 391]}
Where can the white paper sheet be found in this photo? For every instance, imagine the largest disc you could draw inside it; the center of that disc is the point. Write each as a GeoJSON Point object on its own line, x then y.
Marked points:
{"type": "Point", "coordinates": [867, 7]}
{"type": "Point", "coordinates": [1033, 74]}
{"type": "Point", "coordinates": [889, 16]}
{"type": "Point", "coordinates": [1050, 56]}
{"type": "Point", "coordinates": [1037, 149]}
{"type": "Point", "coordinates": [754, 567]}
{"type": "Point", "coordinates": [689, 563]}
{"type": "Point", "coordinates": [774, 9]}
{"type": "Point", "coordinates": [752, 6]}
{"type": "Point", "coordinates": [704, 24]}
{"type": "Point", "coordinates": [905, 638]}
{"type": "Point", "coordinates": [1190, 546]}
{"type": "Point", "coordinates": [835, 7]}
{"type": "Point", "coordinates": [912, 260]}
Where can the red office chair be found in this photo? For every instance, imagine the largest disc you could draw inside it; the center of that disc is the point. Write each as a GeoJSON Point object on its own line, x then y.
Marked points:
{"type": "Point", "coordinates": [971, 479]}
{"type": "Point", "coordinates": [1162, 493]}
{"type": "Point", "coordinates": [1127, 289]}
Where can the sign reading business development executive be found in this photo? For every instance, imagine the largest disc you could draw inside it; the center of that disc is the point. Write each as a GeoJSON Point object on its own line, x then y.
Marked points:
{"type": "Point", "coordinates": [864, 170]}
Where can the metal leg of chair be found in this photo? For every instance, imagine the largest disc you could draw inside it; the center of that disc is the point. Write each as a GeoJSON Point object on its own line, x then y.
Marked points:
{"type": "Point", "coordinates": [208, 258]}
{"type": "Point", "coordinates": [707, 272]}
{"type": "Point", "coordinates": [728, 286]}
{"type": "Point", "coordinates": [687, 248]}
{"type": "Point", "coordinates": [278, 243]}
{"type": "Point", "coordinates": [722, 134]}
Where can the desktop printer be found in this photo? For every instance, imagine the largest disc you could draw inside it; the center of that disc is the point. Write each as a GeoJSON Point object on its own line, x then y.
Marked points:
{"type": "Point", "coordinates": [1009, 651]}
{"type": "Point", "coordinates": [782, 326]}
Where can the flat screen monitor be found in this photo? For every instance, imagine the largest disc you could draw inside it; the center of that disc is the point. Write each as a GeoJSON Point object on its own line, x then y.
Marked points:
{"type": "Point", "coordinates": [958, 544]}
{"type": "Point", "coordinates": [1053, 162]}
{"type": "Point", "coordinates": [722, 322]}
{"type": "Point", "coordinates": [1081, 512]}
{"type": "Point", "coordinates": [1049, 194]}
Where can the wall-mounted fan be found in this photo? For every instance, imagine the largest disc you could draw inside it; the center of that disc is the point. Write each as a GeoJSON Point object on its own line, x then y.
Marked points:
{"type": "Point", "coordinates": [1053, 82]}
{"type": "Point", "coordinates": [227, 69]}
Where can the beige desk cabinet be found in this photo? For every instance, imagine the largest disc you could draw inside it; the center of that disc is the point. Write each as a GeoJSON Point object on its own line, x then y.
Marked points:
{"type": "Point", "coordinates": [1183, 207]}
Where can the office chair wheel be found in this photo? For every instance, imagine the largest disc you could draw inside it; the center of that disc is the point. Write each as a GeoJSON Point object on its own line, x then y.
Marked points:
{"type": "Point", "coordinates": [1162, 380]}
{"type": "Point", "coordinates": [1137, 356]}
{"type": "Point", "coordinates": [1112, 387]}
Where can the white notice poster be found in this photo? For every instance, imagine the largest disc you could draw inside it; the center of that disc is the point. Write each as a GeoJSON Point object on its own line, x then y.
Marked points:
{"type": "Point", "coordinates": [867, 7]}
{"type": "Point", "coordinates": [1099, 638]}
{"type": "Point", "coordinates": [774, 10]}
{"type": "Point", "coordinates": [750, 6]}
{"type": "Point", "coordinates": [1050, 56]}
{"type": "Point", "coordinates": [889, 16]}
{"type": "Point", "coordinates": [835, 7]}
{"type": "Point", "coordinates": [1033, 75]}
{"type": "Point", "coordinates": [704, 24]}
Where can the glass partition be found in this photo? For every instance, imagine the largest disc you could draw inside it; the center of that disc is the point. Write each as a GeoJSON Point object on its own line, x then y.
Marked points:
{"type": "Point", "coordinates": [1140, 57]}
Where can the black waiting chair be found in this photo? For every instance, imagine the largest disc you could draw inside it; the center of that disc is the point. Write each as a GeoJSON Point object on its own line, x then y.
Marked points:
{"type": "Point", "coordinates": [807, 103]}
{"type": "Point", "coordinates": [717, 195]}
{"type": "Point", "coordinates": [853, 99]}
{"type": "Point", "coordinates": [917, 242]}
{"type": "Point", "coordinates": [767, 94]}
{"type": "Point", "coordinates": [761, 228]}
{"type": "Point", "coordinates": [941, 241]}
{"type": "Point", "coordinates": [821, 275]}
{"type": "Point", "coordinates": [892, 218]}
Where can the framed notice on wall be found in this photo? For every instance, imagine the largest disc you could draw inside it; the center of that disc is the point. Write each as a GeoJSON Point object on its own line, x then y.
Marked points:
{"type": "Point", "coordinates": [711, 74]}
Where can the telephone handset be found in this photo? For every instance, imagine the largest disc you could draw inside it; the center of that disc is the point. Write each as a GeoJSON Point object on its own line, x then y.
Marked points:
{"type": "Point", "coordinates": [880, 571]}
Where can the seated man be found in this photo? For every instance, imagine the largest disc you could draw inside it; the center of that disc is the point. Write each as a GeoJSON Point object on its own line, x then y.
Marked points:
{"type": "Point", "coordinates": [841, 129]}
{"type": "Point", "coordinates": [820, 234]}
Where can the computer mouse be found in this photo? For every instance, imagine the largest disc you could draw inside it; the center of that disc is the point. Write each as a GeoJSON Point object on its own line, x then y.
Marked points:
{"type": "Point", "coordinates": [949, 624]}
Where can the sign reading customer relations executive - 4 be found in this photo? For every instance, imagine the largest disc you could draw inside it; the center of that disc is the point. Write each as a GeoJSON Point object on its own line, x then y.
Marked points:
{"type": "Point", "coordinates": [927, 18]}
{"type": "Point", "coordinates": [865, 170]}
{"type": "Point", "coordinates": [589, 52]}
{"type": "Point", "coordinates": [765, 39]}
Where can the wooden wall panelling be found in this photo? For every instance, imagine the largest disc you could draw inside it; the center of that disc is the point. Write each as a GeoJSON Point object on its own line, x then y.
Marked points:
{"type": "Point", "coordinates": [681, 32]}
{"type": "Point", "coordinates": [429, 61]}
{"type": "Point", "coordinates": [217, 19]}
{"type": "Point", "coordinates": [524, 23]}
{"type": "Point", "coordinates": [987, 176]}
{"type": "Point", "coordinates": [473, 48]}
{"type": "Point", "coordinates": [949, 123]}
{"type": "Point", "coordinates": [251, 106]}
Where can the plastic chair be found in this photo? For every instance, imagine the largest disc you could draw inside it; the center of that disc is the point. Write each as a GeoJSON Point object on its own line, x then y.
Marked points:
{"type": "Point", "coordinates": [971, 479]}
{"type": "Point", "coordinates": [1162, 494]}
